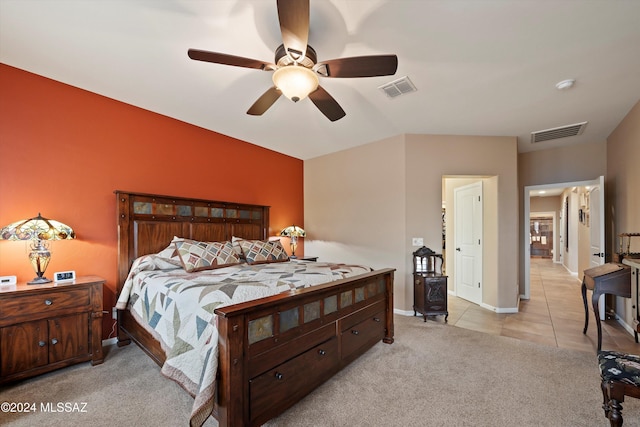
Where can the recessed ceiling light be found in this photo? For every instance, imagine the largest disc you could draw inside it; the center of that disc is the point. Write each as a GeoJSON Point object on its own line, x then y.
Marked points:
{"type": "Point", "coordinates": [541, 192]}
{"type": "Point", "coordinates": [565, 84]}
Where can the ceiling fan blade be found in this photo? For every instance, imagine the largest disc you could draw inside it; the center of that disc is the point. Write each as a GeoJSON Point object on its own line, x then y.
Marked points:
{"type": "Point", "coordinates": [359, 66]}
{"type": "Point", "coordinates": [223, 58]}
{"type": "Point", "coordinates": [264, 102]}
{"type": "Point", "coordinates": [294, 26]}
{"type": "Point", "coordinates": [326, 104]}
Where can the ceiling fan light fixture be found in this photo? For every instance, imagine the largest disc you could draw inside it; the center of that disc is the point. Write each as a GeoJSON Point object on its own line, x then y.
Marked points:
{"type": "Point", "coordinates": [295, 82]}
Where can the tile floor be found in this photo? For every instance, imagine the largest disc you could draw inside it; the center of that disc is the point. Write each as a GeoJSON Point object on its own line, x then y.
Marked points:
{"type": "Point", "coordinates": [554, 315]}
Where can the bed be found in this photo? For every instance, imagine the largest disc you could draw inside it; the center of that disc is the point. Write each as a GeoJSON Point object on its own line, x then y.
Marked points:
{"type": "Point", "coordinates": [271, 351]}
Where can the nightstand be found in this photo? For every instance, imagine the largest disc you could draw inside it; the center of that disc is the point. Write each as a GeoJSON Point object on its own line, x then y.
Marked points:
{"type": "Point", "coordinates": [50, 326]}
{"type": "Point", "coordinates": [309, 258]}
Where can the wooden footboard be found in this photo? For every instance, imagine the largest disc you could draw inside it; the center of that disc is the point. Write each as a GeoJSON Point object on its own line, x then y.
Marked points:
{"type": "Point", "coordinates": [272, 351]}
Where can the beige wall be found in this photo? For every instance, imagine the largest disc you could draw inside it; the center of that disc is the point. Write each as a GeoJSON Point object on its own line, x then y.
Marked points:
{"type": "Point", "coordinates": [355, 207]}
{"type": "Point", "coordinates": [393, 191]}
{"type": "Point", "coordinates": [581, 162]}
{"type": "Point", "coordinates": [545, 204]}
{"type": "Point", "coordinates": [432, 157]}
{"type": "Point", "coordinates": [622, 213]}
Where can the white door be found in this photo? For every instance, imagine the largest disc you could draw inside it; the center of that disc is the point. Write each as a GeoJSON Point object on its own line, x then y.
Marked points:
{"type": "Point", "coordinates": [468, 239]}
{"type": "Point", "coordinates": [596, 229]}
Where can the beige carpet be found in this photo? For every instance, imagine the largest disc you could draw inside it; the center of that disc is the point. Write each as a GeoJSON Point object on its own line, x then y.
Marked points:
{"type": "Point", "coordinates": [433, 375]}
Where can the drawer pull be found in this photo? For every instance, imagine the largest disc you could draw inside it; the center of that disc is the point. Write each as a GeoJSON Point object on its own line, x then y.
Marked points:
{"type": "Point", "coordinates": [322, 352]}
{"type": "Point", "coordinates": [354, 332]}
{"type": "Point", "coordinates": [279, 376]}
{"type": "Point", "coordinates": [42, 343]}
{"type": "Point", "coordinates": [54, 341]}
{"type": "Point", "coordinates": [48, 302]}
{"type": "Point", "coordinates": [376, 319]}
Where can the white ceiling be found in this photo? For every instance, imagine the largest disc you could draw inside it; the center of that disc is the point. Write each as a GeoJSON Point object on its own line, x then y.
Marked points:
{"type": "Point", "coordinates": [481, 67]}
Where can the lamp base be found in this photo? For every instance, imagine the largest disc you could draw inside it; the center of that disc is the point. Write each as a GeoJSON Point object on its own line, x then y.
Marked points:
{"type": "Point", "coordinates": [39, 281]}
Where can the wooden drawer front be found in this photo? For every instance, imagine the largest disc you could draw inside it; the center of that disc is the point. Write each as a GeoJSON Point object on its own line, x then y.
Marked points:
{"type": "Point", "coordinates": [359, 316]}
{"type": "Point", "coordinates": [290, 349]}
{"type": "Point", "coordinates": [292, 380]}
{"type": "Point", "coordinates": [359, 337]}
{"type": "Point", "coordinates": [44, 303]}
{"type": "Point", "coordinates": [23, 346]}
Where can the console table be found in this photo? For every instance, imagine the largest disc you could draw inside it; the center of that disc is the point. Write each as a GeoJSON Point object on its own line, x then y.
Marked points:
{"type": "Point", "coordinates": [611, 278]}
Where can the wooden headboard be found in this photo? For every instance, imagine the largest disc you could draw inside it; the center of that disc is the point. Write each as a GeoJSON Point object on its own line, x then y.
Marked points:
{"type": "Point", "coordinates": [147, 223]}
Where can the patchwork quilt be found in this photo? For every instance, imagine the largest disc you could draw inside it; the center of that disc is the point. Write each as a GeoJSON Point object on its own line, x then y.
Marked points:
{"type": "Point", "coordinates": [177, 308]}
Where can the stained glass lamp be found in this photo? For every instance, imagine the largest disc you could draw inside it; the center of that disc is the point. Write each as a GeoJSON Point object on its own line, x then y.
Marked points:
{"type": "Point", "coordinates": [294, 232]}
{"type": "Point", "coordinates": [39, 231]}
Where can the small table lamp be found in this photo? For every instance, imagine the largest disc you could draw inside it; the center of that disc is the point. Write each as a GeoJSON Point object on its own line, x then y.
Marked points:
{"type": "Point", "coordinates": [294, 232]}
{"type": "Point", "coordinates": [39, 230]}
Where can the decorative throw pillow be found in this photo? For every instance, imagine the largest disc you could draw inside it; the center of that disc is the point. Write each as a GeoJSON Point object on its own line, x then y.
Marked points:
{"type": "Point", "coordinates": [235, 241]}
{"type": "Point", "coordinates": [198, 256]}
{"type": "Point", "coordinates": [259, 252]}
{"type": "Point", "coordinates": [170, 253]}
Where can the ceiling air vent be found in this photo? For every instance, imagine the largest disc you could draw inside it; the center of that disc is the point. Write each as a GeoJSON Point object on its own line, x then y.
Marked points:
{"type": "Point", "coordinates": [557, 133]}
{"type": "Point", "coordinates": [398, 87]}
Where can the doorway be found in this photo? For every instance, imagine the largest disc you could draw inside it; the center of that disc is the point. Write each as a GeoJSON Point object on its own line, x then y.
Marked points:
{"type": "Point", "coordinates": [571, 214]}
{"type": "Point", "coordinates": [541, 235]}
{"type": "Point", "coordinates": [487, 233]}
{"type": "Point", "coordinates": [468, 237]}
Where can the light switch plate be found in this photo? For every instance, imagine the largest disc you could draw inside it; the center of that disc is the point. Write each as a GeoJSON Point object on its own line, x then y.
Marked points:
{"type": "Point", "coordinates": [417, 241]}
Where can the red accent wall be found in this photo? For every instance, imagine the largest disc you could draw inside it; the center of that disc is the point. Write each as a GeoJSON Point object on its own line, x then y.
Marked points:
{"type": "Point", "coordinates": [64, 150]}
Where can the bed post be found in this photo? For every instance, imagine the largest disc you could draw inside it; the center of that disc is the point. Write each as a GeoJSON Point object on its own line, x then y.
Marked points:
{"type": "Point", "coordinates": [122, 219]}
{"type": "Point", "coordinates": [232, 388]}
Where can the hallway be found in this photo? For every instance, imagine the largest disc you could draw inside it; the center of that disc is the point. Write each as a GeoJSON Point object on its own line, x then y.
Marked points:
{"type": "Point", "coordinates": [553, 316]}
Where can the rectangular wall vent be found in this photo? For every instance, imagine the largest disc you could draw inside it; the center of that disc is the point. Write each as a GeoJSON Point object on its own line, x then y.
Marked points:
{"type": "Point", "coordinates": [398, 87]}
{"type": "Point", "coordinates": [557, 133]}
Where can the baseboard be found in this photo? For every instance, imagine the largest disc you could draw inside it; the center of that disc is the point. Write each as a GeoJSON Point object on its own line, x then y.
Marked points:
{"type": "Point", "coordinates": [485, 306]}
{"type": "Point", "coordinates": [109, 341]}
{"type": "Point", "coordinates": [625, 325]}
{"type": "Point", "coordinates": [507, 310]}
{"type": "Point", "coordinates": [499, 309]}
{"type": "Point", "coordinates": [403, 312]}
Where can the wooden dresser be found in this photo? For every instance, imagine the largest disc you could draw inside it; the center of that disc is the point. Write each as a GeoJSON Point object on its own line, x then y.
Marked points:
{"type": "Point", "coordinates": [50, 326]}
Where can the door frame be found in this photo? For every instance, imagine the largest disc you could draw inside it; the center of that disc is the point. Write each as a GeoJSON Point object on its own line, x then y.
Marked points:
{"type": "Point", "coordinates": [526, 250]}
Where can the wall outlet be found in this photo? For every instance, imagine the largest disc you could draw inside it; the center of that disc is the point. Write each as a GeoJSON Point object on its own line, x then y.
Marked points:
{"type": "Point", "coordinates": [417, 241]}
{"type": "Point", "coordinates": [114, 313]}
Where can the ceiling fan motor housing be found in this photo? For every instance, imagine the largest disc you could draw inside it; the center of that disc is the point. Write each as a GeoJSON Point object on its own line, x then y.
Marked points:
{"type": "Point", "coordinates": [282, 59]}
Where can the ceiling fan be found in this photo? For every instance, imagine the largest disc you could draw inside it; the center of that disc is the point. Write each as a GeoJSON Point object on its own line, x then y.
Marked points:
{"type": "Point", "coordinates": [296, 68]}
